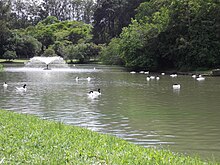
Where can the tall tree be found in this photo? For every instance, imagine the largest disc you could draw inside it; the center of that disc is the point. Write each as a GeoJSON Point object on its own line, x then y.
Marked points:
{"type": "Point", "coordinates": [111, 16]}
{"type": "Point", "coordinates": [5, 33]}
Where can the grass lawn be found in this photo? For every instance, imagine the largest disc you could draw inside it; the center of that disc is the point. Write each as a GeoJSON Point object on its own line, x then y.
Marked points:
{"type": "Point", "coordinates": [13, 61]}
{"type": "Point", "coordinates": [26, 139]}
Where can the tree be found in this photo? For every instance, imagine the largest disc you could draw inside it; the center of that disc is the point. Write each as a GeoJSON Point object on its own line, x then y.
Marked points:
{"type": "Point", "coordinates": [5, 33]}
{"type": "Point", "coordinates": [111, 16]}
{"type": "Point", "coordinates": [177, 34]}
{"type": "Point", "coordinates": [49, 52]}
{"type": "Point", "coordinates": [9, 55]}
{"type": "Point", "coordinates": [111, 54]}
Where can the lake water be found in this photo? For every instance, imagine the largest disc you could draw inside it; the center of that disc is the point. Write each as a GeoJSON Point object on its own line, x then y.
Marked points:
{"type": "Point", "coordinates": [150, 114]}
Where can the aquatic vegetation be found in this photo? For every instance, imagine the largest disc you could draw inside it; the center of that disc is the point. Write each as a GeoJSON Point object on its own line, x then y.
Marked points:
{"type": "Point", "coordinates": [26, 139]}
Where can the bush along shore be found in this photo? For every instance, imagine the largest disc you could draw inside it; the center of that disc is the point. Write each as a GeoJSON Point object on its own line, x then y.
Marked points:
{"type": "Point", "coordinates": [27, 139]}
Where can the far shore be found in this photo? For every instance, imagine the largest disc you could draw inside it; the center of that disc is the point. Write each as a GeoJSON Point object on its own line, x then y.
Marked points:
{"type": "Point", "coordinates": [203, 72]}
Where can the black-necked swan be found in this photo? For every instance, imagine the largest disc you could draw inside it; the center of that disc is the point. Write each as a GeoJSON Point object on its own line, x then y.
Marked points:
{"type": "Point", "coordinates": [194, 76]}
{"type": "Point", "coordinates": [22, 89]}
{"type": "Point", "coordinates": [176, 86]}
{"type": "Point", "coordinates": [200, 78]}
{"type": "Point", "coordinates": [173, 75]}
{"type": "Point", "coordinates": [5, 85]}
{"type": "Point", "coordinates": [94, 93]}
{"type": "Point", "coordinates": [152, 77]}
{"type": "Point", "coordinates": [88, 78]}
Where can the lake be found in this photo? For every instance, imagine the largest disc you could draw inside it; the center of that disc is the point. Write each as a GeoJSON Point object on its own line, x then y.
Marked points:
{"type": "Point", "coordinates": [147, 113]}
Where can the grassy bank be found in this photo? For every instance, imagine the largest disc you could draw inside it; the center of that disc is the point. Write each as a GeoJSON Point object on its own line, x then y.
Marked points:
{"type": "Point", "coordinates": [26, 139]}
{"type": "Point", "coordinates": [14, 61]}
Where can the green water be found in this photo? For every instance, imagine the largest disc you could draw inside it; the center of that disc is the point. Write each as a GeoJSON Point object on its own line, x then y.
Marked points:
{"type": "Point", "coordinates": [150, 113]}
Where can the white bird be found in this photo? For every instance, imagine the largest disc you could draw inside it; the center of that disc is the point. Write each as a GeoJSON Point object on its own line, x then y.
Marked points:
{"type": "Point", "coordinates": [162, 74]}
{"type": "Point", "coordinates": [200, 78]}
{"type": "Point", "coordinates": [77, 78]}
{"type": "Point", "coordinates": [22, 89]}
{"type": "Point", "coordinates": [194, 76]}
{"type": "Point", "coordinates": [147, 72]}
{"type": "Point", "coordinates": [88, 78]}
{"type": "Point", "coordinates": [142, 72]}
{"type": "Point", "coordinates": [94, 94]}
{"type": "Point", "coordinates": [176, 86]}
{"type": "Point", "coordinates": [157, 78]}
{"type": "Point", "coordinates": [5, 85]}
{"type": "Point", "coordinates": [152, 77]}
{"type": "Point", "coordinates": [132, 72]}
{"type": "Point", "coordinates": [173, 75]}
{"type": "Point", "coordinates": [148, 78]}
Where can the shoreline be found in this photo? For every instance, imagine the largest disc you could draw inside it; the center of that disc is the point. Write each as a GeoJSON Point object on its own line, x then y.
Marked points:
{"type": "Point", "coordinates": [30, 140]}
{"type": "Point", "coordinates": [208, 73]}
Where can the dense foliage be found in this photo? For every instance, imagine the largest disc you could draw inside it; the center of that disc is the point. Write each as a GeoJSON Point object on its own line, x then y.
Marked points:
{"type": "Point", "coordinates": [149, 34]}
{"type": "Point", "coordinates": [111, 16]}
{"type": "Point", "coordinates": [182, 34]}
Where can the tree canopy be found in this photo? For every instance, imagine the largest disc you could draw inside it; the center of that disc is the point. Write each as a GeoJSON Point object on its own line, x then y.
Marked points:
{"type": "Point", "coordinates": [181, 34]}
{"type": "Point", "coordinates": [151, 34]}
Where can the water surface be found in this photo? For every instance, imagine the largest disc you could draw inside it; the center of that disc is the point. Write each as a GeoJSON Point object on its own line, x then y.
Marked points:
{"type": "Point", "coordinates": [150, 114]}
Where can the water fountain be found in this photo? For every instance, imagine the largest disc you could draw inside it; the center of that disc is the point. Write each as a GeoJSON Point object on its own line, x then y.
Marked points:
{"type": "Point", "coordinates": [40, 62]}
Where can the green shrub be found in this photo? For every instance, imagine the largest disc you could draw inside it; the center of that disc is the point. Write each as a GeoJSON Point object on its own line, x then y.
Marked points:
{"type": "Point", "coordinates": [9, 55]}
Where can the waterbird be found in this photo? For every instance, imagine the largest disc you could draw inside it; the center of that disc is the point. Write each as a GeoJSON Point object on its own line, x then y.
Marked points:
{"type": "Point", "coordinates": [176, 86]}
{"type": "Point", "coordinates": [200, 78]}
{"type": "Point", "coordinates": [77, 78]}
{"type": "Point", "coordinates": [5, 85]}
{"type": "Point", "coordinates": [152, 77]}
{"type": "Point", "coordinates": [147, 72]}
{"type": "Point", "coordinates": [162, 73]}
{"type": "Point", "coordinates": [157, 78]}
{"type": "Point", "coordinates": [88, 78]}
{"type": "Point", "coordinates": [22, 89]}
{"type": "Point", "coordinates": [132, 72]}
{"type": "Point", "coordinates": [173, 75]}
{"type": "Point", "coordinates": [148, 78]}
{"type": "Point", "coordinates": [94, 94]}
{"type": "Point", "coordinates": [194, 76]}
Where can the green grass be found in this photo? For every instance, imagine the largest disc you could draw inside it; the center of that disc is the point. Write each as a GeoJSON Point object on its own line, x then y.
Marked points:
{"type": "Point", "coordinates": [26, 139]}
{"type": "Point", "coordinates": [13, 61]}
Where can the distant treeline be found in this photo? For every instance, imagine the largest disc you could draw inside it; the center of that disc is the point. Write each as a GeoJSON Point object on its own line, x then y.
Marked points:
{"type": "Point", "coordinates": [149, 34]}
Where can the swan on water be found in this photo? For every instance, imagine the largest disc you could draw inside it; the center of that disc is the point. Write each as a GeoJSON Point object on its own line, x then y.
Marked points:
{"type": "Point", "coordinates": [94, 94]}
{"type": "Point", "coordinates": [176, 86]}
{"type": "Point", "coordinates": [173, 75]}
{"type": "Point", "coordinates": [5, 85]}
{"type": "Point", "coordinates": [22, 89]}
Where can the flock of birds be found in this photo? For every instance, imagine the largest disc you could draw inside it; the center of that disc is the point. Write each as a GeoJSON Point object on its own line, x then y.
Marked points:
{"type": "Point", "coordinates": [18, 89]}
{"type": "Point", "coordinates": [175, 86]}
{"type": "Point", "coordinates": [95, 94]}
{"type": "Point", "coordinates": [91, 94]}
